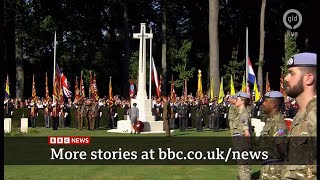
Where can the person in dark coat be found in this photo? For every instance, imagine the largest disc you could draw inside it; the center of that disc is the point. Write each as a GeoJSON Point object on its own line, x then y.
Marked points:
{"type": "Point", "coordinates": [133, 115]}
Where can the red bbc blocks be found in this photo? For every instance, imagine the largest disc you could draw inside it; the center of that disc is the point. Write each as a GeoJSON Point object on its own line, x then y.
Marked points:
{"type": "Point", "coordinates": [68, 140]}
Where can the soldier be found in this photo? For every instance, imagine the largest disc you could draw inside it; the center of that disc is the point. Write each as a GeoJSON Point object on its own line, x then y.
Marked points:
{"type": "Point", "coordinates": [166, 114]}
{"type": "Point", "coordinates": [215, 116]}
{"type": "Point", "coordinates": [94, 113]}
{"type": "Point", "coordinates": [173, 110]}
{"type": "Point", "coordinates": [81, 114]}
{"type": "Point", "coordinates": [55, 118]}
{"type": "Point", "coordinates": [33, 113]}
{"type": "Point", "coordinates": [301, 84]}
{"type": "Point", "coordinates": [133, 115]}
{"type": "Point", "coordinates": [88, 111]}
{"type": "Point", "coordinates": [233, 112]}
{"type": "Point", "coordinates": [240, 128]}
{"type": "Point", "coordinates": [272, 136]}
{"type": "Point", "coordinates": [46, 113]}
{"type": "Point", "coordinates": [61, 115]}
{"type": "Point", "coordinates": [199, 116]}
{"type": "Point", "coordinates": [182, 114]}
{"type": "Point", "coordinates": [113, 114]}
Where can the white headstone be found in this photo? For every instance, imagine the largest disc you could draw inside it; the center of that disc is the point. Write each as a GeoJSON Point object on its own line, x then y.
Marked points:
{"type": "Point", "coordinates": [7, 125]}
{"type": "Point", "coordinates": [24, 125]}
{"type": "Point", "coordinates": [258, 125]}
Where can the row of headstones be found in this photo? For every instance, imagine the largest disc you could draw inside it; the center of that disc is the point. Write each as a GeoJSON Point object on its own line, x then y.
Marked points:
{"type": "Point", "coordinates": [23, 128]}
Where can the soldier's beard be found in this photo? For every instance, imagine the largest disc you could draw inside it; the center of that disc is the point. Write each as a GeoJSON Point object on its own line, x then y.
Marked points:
{"type": "Point", "coordinates": [295, 90]}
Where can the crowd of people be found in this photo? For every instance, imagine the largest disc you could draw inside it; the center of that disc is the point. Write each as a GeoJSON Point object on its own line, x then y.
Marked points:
{"type": "Point", "coordinates": [180, 110]}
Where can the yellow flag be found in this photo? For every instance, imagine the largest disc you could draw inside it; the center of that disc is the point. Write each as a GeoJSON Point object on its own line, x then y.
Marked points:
{"type": "Point", "coordinates": [256, 91]}
{"type": "Point", "coordinates": [200, 95]}
{"type": "Point", "coordinates": [244, 87]}
{"type": "Point", "coordinates": [221, 93]}
{"type": "Point", "coordinates": [211, 88]}
{"type": "Point", "coordinates": [232, 91]}
{"type": "Point", "coordinates": [7, 91]}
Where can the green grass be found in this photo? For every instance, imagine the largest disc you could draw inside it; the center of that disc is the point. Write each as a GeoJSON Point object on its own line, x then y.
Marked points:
{"type": "Point", "coordinates": [150, 172]}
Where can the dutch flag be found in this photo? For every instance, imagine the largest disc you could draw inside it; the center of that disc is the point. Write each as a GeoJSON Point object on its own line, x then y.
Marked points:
{"type": "Point", "coordinates": [251, 75]}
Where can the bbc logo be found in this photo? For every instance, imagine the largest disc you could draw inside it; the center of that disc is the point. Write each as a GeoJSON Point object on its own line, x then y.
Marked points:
{"type": "Point", "coordinates": [59, 140]}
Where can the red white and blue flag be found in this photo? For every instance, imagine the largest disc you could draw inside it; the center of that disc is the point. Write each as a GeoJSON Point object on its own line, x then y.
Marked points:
{"type": "Point", "coordinates": [65, 84]}
{"type": "Point", "coordinates": [132, 90]}
{"type": "Point", "coordinates": [251, 75]}
{"type": "Point", "coordinates": [155, 79]}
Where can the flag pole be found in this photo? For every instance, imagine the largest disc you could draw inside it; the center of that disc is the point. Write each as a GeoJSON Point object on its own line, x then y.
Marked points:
{"type": "Point", "coordinates": [150, 65]}
{"type": "Point", "coordinates": [54, 59]}
{"type": "Point", "coordinates": [247, 52]}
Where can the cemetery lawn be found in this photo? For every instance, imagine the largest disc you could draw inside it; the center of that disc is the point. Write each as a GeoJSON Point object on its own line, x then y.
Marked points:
{"type": "Point", "coordinates": [131, 172]}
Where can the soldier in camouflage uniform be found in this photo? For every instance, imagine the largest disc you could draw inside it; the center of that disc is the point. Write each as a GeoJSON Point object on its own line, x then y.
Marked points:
{"type": "Point", "coordinates": [233, 112]}
{"type": "Point", "coordinates": [301, 84]}
{"type": "Point", "coordinates": [273, 135]}
{"type": "Point", "coordinates": [240, 128]}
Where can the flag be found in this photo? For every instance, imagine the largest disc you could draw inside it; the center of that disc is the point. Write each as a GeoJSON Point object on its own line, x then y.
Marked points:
{"type": "Point", "coordinates": [232, 90]}
{"type": "Point", "coordinates": [267, 83]}
{"type": "Point", "coordinates": [160, 85]}
{"type": "Point", "coordinates": [243, 86]}
{"type": "Point", "coordinates": [76, 90]}
{"type": "Point", "coordinates": [47, 88]}
{"type": "Point", "coordinates": [211, 88]}
{"type": "Point", "coordinates": [248, 90]}
{"type": "Point", "coordinates": [61, 100]}
{"type": "Point", "coordinates": [7, 91]}
{"type": "Point", "coordinates": [132, 91]}
{"type": "Point", "coordinates": [251, 75]}
{"type": "Point", "coordinates": [199, 91]}
{"type": "Point", "coordinates": [172, 92]}
{"type": "Point", "coordinates": [65, 84]}
{"type": "Point", "coordinates": [95, 88]}
{"type": "Point", "coordinates": [256, 92]}
{"type": "Point", "coordinates": [34, 92]}
{"type": "Point", "coordinates": [282, 85]}
{"type": "Point", "coordinates": [56, 85]}
{"type": "Point", "coordinates": [90, 86]}
{"type": "Point", "coordinates": [221, 93]}
{"type": "Point", "coordinates": [155, 79]}
{"type": "Point", "coordinates": [110, 90]}
{"type": "Point", "coordinates": [82, 91]}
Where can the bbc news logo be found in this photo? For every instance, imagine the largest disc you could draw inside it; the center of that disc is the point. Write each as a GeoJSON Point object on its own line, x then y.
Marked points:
{"type": "Point", "coordinates": [68, 140]}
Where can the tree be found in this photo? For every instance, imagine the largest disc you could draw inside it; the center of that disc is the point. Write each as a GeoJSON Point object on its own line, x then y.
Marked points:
{"type": "Point", "coordinates": [261, 49]}
{"type": "Point", "coordinates": [290, 47]}
{"type": "Point", "coordinates": [164, 46]}
{"type": "Point", "coordinates": [214, 42]}
{"type": "Point", "coordinates": [182, 67]}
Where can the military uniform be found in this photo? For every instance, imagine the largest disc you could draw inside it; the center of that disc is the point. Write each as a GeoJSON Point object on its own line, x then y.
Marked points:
{"type": "Point", "coordinates": [232, 115]}
{"type": "Point", "coordinates": [214, 118]}
{"type": "Point", "coordinates": [81, 115]}
{"type": "Point", "coordinates": [303, 132]}
{"type": "Point", "coordinates": [199, 117]}
{"type": "Point", "coordinates": [242, 123]}
{"type": "Point", "coordinates": [272, 135]}
{"type": "Point", "coordinates": [182, 113]}
{"type": "Point", "coordinates": [302, 139]}
{"type": "Point", "coordinates": [166, 114]}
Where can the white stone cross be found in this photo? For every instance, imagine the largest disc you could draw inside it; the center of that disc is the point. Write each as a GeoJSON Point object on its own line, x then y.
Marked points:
{"type": "Point", "coordinates": [142, 60]}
